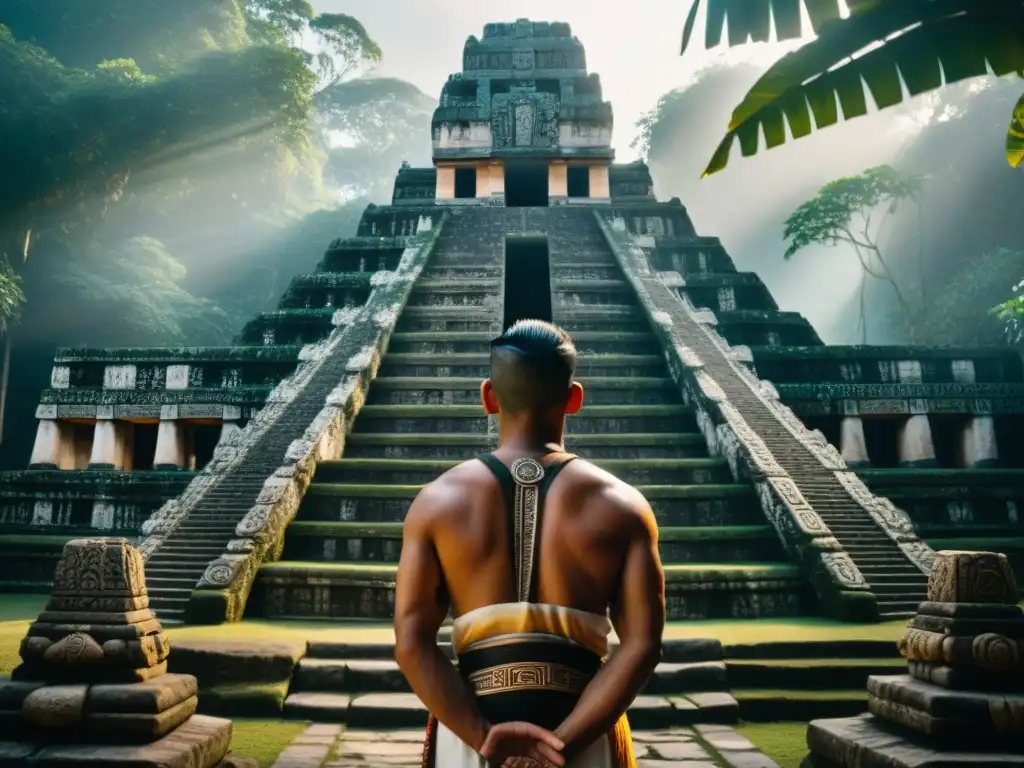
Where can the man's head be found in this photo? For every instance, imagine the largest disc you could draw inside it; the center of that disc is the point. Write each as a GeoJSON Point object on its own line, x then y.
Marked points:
{"type": "Point", "coordinates": [532, 367]}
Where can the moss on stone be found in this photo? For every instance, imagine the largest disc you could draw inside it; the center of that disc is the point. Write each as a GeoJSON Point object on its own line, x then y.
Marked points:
{"type": "Point", "coordinates": [701, 491]}
{"type": "Point", "coordinates": [243, 699]}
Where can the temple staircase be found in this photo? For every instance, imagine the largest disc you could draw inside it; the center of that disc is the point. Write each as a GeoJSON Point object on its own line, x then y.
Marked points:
{"type": "Point", "coordinates": [423, 415]}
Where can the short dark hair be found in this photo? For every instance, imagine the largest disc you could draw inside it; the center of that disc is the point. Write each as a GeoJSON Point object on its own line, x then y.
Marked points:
{"type": "Point", "coordinates": [532, 366]}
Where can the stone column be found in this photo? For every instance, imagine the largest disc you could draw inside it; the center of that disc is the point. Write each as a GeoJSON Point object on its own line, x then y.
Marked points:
{"type": "Point", "coordinates": [600, 186]}
{"type": "Point", "coordinates": [483, 179]}
{"type": "Point", "coordinates": [497, 176]}
{"type": "Point", "coordinates": [51, 448]}
{"type": "Point", "coordinates": [558, 181]}
{"type": "Point", "coordinates": [445, 182]}
{"type": "Point", "coordinates": [853, 446]}
{"type": "Point", "coordinates": [170, 445]}
{"type": "Point", "coordinates": [916, 448]}
{"type": "Point", "coordinates": [978, 443]}
{"type": "Point", "coordinates": [107, 447]}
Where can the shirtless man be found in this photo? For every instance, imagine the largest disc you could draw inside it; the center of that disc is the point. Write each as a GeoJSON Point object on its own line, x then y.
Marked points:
{"type": "Point", "coordinates": [531, 622]}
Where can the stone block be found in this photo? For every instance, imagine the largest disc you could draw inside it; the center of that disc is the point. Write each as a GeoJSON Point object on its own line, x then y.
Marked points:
{"type": "Point", "coordinates": [152, 696]}
{"type": "Point", "coordinates": [944, 715]}
{"type": "Point", "coordinates": [201, 742]}
{"type": "Point", "coordinates": [218, 662]}
{"type": "Point", "coordinates": [972, 577]}
{"type": "Point", "coordinates": [867, 742]}
{"type": "Point", "coordinates": [55, 706]}
{"type": "Point", "coordinates": [130, 728]}
{"type": "Point", "coordinates": [988, 651]}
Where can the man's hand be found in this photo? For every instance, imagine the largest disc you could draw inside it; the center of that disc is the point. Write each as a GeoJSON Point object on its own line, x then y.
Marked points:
{"type": "Point", "coordinates": [522, 745]}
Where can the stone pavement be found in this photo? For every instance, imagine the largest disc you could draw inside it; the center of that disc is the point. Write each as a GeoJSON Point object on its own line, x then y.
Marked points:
{"type": "Point", "coordinates": [700, 746]}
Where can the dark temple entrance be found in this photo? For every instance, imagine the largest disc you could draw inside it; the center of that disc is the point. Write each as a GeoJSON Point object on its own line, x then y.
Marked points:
{"type": "Point", "coordinates": [526, 184]}
{"type": "Point", "coordinates": [527, 279]}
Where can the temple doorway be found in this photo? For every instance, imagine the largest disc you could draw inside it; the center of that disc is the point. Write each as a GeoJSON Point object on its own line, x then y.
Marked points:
{"type": "Point", "coordinates": [526, 184]}
{"type": "Point", "coordinates": [527, 279]}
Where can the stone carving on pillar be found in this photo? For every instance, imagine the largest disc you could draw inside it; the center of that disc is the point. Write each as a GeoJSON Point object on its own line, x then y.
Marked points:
{"type": "Point", "coordinates": [961, 702]}
{"type": "Point", "coordinates": [94, 671]}
{"type": "Point", "coordinates": [524, 120]}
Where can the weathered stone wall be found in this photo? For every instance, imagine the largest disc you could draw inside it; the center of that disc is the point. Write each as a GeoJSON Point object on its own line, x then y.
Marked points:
{"type": "Point", "coordinates": [360, 339]}
{"type": "Point", "coordinates": [833, 574]}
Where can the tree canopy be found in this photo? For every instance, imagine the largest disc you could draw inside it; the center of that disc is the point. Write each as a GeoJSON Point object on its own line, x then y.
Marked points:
{"type": "Point", "coordinates": [896, 48]}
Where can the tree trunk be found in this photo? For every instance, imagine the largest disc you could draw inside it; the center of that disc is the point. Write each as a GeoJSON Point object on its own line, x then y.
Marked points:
{"type": "Point", "coordinates": [920, 255]}
{"type": "Point", "coordinates": [23, 242]}
{"type": "Point", "coordinates": [863, 309]}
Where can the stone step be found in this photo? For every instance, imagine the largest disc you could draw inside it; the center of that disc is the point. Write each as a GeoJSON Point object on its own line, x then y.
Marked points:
{"type": "Point", "coordinates": [587, 342]}
{"type": "Point", "coordinates": [383, 675]}
{"type": "Point", "coordinates": [758, 705]}
{"type": "Point", "coordinates": [683, 505]}
{"type": "Point", "coordinates": [600, 390]}
{"type": "Point", "coordinates": [597, 419]}
{"type": "Point", "coordinates": [405, 710]}
{"type": "Point", "coordinates": [382, 542]}
{"type": "Point", "coordinates": [478, 365]}
{"type": "Point", "coordinates": [809, 673]}
{"type": "Point", "coordinates": [365, 590]}
{"type": "Point", "coordinates": [416, 471]}
{"type": "Point", "coordinates": [462, 446]}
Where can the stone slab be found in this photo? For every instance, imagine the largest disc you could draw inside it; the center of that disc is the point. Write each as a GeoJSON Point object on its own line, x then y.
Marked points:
{"type": "Point", "coordinates": [387, 710]}
{"type": "Point", "coordinates": [202, 742]}
{"type": "Point", "coordinates": [942, 702]}
{"type": "Point", "coordinates": [963, 627]}
{"type": "Point", "coordinates": [115, 727]}
{"type": "Point", "coordinates": [152, 696]}
{"type": "Point", "coordinates": [218, 662]}
{"type": "Point", "coordinates": [970, 610]}
{"type": "Point", "coordinates": [964, 678]}
{"type": "Point", "coordinates": [867, 742]}
{"type": "Point", "coordinates": [99, 673]}
{"type": "Point", "coordinates": [323, 707]}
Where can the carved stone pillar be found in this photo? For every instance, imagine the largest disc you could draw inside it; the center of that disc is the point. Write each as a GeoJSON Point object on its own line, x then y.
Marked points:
{"type": "Point", "coordinates": [853, 446]}
{"type": "Point", "coordinates": [445, 182]}
{"type": "Point", "coordinates": [978, 443]}
{"type": "Point", "coordinates": [558, 181]}
{"type": "Point", "coordinates": [916, 448]}
{"type": "Point", "coordinates": [107, 446]}
{"type": "Point", "coordinates": [170, 445]}
{"type": "Point", "coordinates": [600, 185]}
{"type": "Point", "coordinates": [52, 447]}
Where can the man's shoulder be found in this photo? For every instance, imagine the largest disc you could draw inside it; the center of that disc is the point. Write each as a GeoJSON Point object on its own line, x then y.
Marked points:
{"type": "Point", "coordinates": [613, 494]}
{"type": "Point", "coordinates": [453, 484]}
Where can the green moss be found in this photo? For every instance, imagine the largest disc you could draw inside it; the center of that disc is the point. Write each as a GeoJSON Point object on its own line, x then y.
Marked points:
{"type": "Point", "coordinates": [715, 532]}
{"type": "Point", "coordinates": [264, 740]}
{"type": "Point", "coordinates": [753, 694]}
{"type": "Point", "coordinates": [897, 662]}
{"type": "Point", "coordinates": [469, 411]}
{"type": "Point", "coordinates": [473, 383]}
{"type": "Point", "coordinates": [346, 530]}
{"type": "Point", "coordinates": [703, 491]}
{"type": "Point", "coordinates": [979, 544]}
{"type": "Point", "coordinates": [244, 699]}
{"type": "Point", "coordinates": [175, 355]}
{"type": "Point", "coordinates": [442, 465]}
{"type": "Point", "coordinates": [785, 743]}
{"type": "Point", "coordinates": [26, 543]}
{"type": "Point", "coordinates": [730, 573]}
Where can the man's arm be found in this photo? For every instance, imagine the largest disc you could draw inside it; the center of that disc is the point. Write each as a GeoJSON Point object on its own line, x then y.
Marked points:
{"type": "Point", "coordinates": [421, 604]}
{"type": "Point", "coordinates": [639, 619]}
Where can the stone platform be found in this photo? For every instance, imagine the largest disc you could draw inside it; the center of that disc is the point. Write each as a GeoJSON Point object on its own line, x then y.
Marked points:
{"type": "Point", "coordinates": [93, 687]}
{"type": "Point", "coordinates": [962, 702]}
{"type": "Point", "coordinates": [869, 742]}
{"type": "Point", "coordinates": [703, 746]}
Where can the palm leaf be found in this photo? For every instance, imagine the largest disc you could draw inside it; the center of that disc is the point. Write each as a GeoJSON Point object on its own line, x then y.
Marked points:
{"type": "Point", "coordinates": [946, 46]}
{"type": "Point", "coordinates": [1015, 136]}
{"type": "Point", "coordinates": [751, 20]}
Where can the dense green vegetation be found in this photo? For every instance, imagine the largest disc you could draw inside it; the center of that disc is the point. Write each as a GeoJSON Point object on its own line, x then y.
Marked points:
{"type": "Point", "coordinates": [170, 166]}
{"type": "Point", "coordinates": [887, 45]}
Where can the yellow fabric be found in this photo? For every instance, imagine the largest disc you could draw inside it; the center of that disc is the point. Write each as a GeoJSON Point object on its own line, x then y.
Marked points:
{"type": "Point", "coordinates": [507, 620]}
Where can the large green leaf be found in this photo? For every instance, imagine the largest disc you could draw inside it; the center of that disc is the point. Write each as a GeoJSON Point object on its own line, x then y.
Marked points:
{"type": "Point", "coordinates": [928, 44]}
{"type": "Point", "coordinates": [1015, 136]}
{"type": "Point", "coordinates": [751, 20]}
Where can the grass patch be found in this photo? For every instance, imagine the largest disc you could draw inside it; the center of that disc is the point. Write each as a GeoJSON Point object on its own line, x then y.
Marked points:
{"type": "Point", "coordinates": [898, 662]}
{"type": "Point", "coordinates": [750, 694]}
{"type": "Point", "coordinates": [264, 740]}
{"type": "Point", "coordinates": [785, 743]}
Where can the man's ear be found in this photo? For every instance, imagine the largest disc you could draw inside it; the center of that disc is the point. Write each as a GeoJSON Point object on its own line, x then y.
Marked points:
{"type": "Point", "coordinates": [575, 399]}
{"type": "Point", "coordinates": [488, 398]}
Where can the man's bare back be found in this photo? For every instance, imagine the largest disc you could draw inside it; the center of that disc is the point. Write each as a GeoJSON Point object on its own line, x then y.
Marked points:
{"type": "Point", "coordinates": [591, 519]}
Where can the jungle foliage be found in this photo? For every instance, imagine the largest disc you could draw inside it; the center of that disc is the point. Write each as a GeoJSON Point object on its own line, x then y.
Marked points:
{"type": "Point", "coordinates": [150, 147]}
{"type": "Point", "coordinates": [894, 47]}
